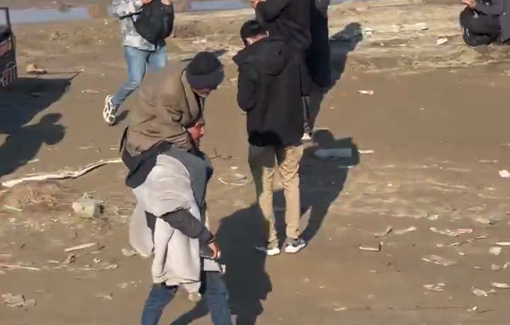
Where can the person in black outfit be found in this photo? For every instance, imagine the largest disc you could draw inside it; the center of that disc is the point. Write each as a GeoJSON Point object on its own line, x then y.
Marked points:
{"type": "Point", "coordinates": [270, 91]}
{"type": "Point", "coordinates": [290, 20]}
{"type": "Point", "coordinates": [484, 22]}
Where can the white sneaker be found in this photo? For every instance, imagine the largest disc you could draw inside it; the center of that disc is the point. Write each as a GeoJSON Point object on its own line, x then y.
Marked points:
{"type": "Point", "coordinates": [306, 137]}
{"type": "Point", "coordinates": [293, 246]}
{"type": "Point", "coordinates": [271, 249]}
{"type": "Point", "coordinates": [109, 111]}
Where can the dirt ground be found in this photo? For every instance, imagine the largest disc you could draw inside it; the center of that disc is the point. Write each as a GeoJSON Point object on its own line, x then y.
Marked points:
{"type": "Point", "coordinates": [436, 123]}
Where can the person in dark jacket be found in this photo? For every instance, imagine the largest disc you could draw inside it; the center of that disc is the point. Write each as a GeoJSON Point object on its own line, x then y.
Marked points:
{"type": "Point", "coordinates": [318, 63]}
{"type": "Point", "coordinates": [290, 20]}
{"type": "Point", "coordinates": [269, 90]}
{"type": "Point", "coordinates": [484, 22]}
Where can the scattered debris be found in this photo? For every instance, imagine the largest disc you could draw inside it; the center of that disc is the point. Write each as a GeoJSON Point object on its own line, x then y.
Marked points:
{"type": "Point", "coordinates": [451, 233]}
{"type": "Point", "coordinates": [127, 252]}
{"type": "Point", "coordinates": [18, 301]}
{"type": "Point", "coordinates": [414, 27]}
{"type": "Point", "coordinates": [404, 231]}
{"type": "Point", "coordinates": [503, 243]}
{"type": "Point", "coordinates": [105, 296]}
{"type": "Point", "coordinates": [495, 250]}
{"type": "Point", "coordinates": [496, 267]}
{"type": "Point", "coordinates": [441, 41]}
{"type": "Point", "coordinates": [500, 285]}
{"type": "Point", "coordinates": [111, 266]}
{"type": "Point", "coordinates": [123, 285]}
{"type": "Point", "coordinates": [435, 287]}
{"type": "Point", "coordinates": [34, 70]}
{"type": "Point", "coordinates": [488, 221]}
{"type": "Point", "coordinates": [90, 91]}
{"type": "Point", "coordinates": [479, 292]}
{"type": "Point", "coordinates": [366, 92]}
{"type": "Point", "coordinates": [436, 259]}
{"type": "Point", "coordinates": [504, 173]}
{"type": "Point", "coordinates": [79, 247]}
{"type": "Point", "coordinates": [371, 248]}
{"type": "Point", "coordinates": [19, 267]}
{"type": "Point", "coordinates": [71, 258]}
{"type": "Point", "coordinates": [87, 208]}
{"type": "Point", "coordinates": [235, 180]}
{"type": "Point", "coordinates": [62, 174]}
{"type": "Point", "coordinates": [433, 217]}
{"type": "Point", "coordinates": [384, 233]}
{"type": "Point", "coordinates": [8, 207]}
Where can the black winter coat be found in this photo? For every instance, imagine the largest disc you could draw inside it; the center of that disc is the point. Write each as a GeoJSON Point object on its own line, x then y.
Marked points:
{"type": "Point", "coordinates": [270, 91]}
{"type": "Point", "coordinates": [288, 19]}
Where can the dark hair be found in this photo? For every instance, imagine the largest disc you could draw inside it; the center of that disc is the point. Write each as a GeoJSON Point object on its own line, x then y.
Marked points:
{"type": "Point", "coordinates": [251, 28]}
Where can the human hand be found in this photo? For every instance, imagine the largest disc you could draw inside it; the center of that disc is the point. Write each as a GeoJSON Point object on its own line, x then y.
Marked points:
{"type": "Point", "coordinates": [215, 250]}
{"type": "Point", "coordinates": [254, 3]}
{"type": "Point", "coordinates": [145, 2]}
{"type": "Point", "coordinates": [470, 3]}
{"type": "Point", "coordinates": [166, 2]}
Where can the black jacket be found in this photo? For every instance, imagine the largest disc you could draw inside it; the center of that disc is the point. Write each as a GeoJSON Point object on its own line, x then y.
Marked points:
{"type": "Point", "coordinates": [270, 91]}
{"type": "Point", "coordinates": [289, 19]}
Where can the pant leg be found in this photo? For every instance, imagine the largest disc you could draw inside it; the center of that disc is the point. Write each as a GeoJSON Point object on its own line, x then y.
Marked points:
{"type": "Point", "coordinates": [262, 161]}
{"type": "Point", "coordinates": [157, 59]}
{"type": "Point", "coordinates": [216, 297]}
{"type": "Point", "coordinates": [159, 297]}
{"type": "Point", "coordinates": [288, 165]}
{"type": "Point", "coordinates": [136, 61]}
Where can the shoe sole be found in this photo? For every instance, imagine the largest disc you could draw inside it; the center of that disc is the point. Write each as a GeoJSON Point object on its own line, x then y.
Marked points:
{"type": "Point", "coordinates": [106, 111]}
{"type": "Point", "coordinates": [269, 252]}
{"type": "Point", "coordinates": [294, 250]}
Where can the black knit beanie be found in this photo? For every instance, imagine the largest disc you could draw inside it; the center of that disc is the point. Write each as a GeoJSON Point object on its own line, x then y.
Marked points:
{"type": "Point", "coordinates": [205, 71]}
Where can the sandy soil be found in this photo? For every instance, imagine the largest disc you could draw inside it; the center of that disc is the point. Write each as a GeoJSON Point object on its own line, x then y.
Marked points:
{"type": "Point", "coordinates": [436, 121]}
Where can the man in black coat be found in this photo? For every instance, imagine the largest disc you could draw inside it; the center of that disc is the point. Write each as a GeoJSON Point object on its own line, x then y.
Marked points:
{"type": "Point", "coordinates": [484, 22]}
{"type": "Point", "coordinates": [290, 20]}
{"type": "Point", "coordinates": [270, 92]}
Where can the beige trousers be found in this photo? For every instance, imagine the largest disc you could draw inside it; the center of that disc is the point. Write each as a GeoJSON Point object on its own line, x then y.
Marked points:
{"type": "Point", "coordinates": [263, 162]}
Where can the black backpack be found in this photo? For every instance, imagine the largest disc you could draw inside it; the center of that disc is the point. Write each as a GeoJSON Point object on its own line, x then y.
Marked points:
{"type": "Point", "coordinates": [155, 22]}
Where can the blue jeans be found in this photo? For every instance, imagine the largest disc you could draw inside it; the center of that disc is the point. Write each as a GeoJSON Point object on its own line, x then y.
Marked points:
{"type": "Point", "coordinates": [213, 291]}
{"type": "Point", "coordinates": [137, 62]}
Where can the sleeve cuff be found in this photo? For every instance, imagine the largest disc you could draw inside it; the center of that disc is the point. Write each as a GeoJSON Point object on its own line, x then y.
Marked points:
{"type": "Point", "coordinates": [206, 236]}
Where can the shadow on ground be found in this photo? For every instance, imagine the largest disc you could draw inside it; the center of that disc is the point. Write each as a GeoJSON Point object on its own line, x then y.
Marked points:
{"type": "Point", "coordinates": [21, 103]}
{"type": "Point", "coordinates": [341, 44]}
{"type": "Point", "coordinates": [322, 180]}
{"type": "Point", "coordinates": [327, 68]}
{"type": "Point", "coordinates": [245, 276]}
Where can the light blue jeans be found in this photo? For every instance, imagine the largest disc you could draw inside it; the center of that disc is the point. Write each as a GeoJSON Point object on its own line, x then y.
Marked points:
{"type": "Point", "coordinates": [137, 62]}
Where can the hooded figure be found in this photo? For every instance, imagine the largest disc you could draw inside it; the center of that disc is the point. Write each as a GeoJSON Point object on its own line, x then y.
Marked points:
{"type": "Point", "coordinates": [269, 91]}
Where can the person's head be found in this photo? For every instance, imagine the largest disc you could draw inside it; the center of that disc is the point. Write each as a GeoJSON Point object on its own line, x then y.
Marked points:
{"type": "Point", "coordinates": [252, 31]}
{"type": "Point", "coordinates": [197, 131]}
{"type": "Point", "coordinates": [204, 73]}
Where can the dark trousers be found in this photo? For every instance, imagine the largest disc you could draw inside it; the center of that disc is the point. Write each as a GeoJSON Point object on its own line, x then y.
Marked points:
{"type": "Point", "coordinates": [476, 25]}
{"type": "Point", "coordinates": [213, 291]}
